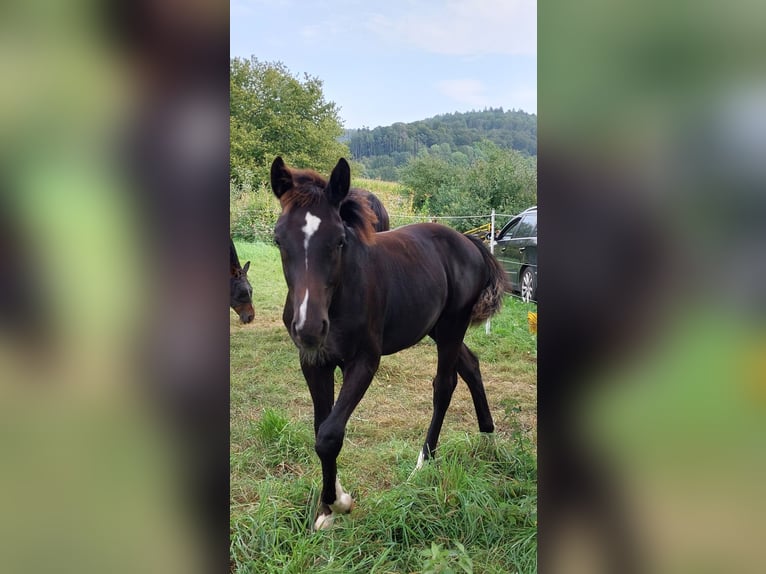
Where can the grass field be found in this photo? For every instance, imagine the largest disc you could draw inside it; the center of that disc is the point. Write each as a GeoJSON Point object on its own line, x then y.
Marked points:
{"type": "Point", "coordinates": [474, 509]}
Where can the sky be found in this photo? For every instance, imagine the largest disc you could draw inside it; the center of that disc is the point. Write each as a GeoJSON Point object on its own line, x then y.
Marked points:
{"type": "Point", "coordinates": [392, 61]}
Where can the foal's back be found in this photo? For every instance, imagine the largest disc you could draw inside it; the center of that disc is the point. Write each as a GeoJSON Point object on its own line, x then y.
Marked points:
{"type": "Point", "coordinates": [424, 272]}
{"type": "Point", "coordinates": [430, 253]}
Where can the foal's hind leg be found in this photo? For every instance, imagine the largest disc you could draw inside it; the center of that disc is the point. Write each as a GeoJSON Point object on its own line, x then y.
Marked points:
{"type": "Point", "coordinates": [468, 369]}
{"type": "Point", "coordinates": [444, 385]}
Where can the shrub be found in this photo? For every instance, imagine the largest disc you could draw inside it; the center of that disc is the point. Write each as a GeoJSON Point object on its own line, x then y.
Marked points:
{"type": "Point", "coordinates": [253, 212]}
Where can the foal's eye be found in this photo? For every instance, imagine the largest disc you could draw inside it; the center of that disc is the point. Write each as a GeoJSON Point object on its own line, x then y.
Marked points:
{"type": "Point", "coordinates": [276, 242]}
{"type": "Point", "coordinates": [341, 242]}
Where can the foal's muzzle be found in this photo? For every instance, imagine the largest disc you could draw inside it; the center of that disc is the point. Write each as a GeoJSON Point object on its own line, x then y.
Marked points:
{"type": "Point", "coordinates": [310, 336]}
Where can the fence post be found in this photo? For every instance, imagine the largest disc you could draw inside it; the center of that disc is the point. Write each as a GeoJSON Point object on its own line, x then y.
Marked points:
{"type": "Point", "coordinates": [492, 251]}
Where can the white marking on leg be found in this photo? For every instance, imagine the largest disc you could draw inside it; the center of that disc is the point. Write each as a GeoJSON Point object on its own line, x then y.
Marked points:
{"type": "Point", "coordinates": [302, 312]}
{"type": "Point", "coordinates": [343, 501]}
{"type": "Point", "coordinates": [342, 505]}
{"type": "Point", "coordinates": [312, 224]}
{"type": "Point", "coordinates": [418, 465]}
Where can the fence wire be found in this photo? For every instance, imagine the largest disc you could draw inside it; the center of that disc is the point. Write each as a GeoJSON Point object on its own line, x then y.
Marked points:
{"type": "Point", "coordinates": [438, 217]}
{"type": "Point", "coordinates": [255, 225]}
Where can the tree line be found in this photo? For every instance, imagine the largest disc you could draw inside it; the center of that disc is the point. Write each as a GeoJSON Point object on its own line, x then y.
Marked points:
{"type": "Point", "coordinates": [384, 149]}
{"type": "Point", "coordinates": [507, 129]}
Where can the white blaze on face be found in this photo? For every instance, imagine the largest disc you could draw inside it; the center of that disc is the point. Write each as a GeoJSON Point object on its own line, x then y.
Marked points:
{"type": "Point", "coordinates": [302, 312]}
{"type": "Point", "coordinates": [312, 224]}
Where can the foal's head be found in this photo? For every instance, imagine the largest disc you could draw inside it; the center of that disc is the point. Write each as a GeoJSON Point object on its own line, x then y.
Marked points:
{"type": "Point", "coordinates": [318, 218]}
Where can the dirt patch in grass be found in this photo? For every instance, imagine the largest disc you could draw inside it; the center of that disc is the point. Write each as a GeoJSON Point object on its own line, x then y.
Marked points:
{"type": "Point", "coordinates": [399, 401]}
{"type": "Point", "coordinates": [260, 321]}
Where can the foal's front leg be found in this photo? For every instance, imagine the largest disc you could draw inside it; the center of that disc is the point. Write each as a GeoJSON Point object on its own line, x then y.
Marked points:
{"type": "Point", "coordinates": [357, 376]}
{"type": "Point", "coordinates": [321, 382]}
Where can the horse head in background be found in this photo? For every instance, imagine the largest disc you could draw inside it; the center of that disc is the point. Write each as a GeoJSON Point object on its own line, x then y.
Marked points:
{"type": "Point", "coordinates": [241, 293]}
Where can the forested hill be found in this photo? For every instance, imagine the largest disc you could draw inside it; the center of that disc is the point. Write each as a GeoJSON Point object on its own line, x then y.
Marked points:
{"type": "Point", "coordinates": [383, 149]}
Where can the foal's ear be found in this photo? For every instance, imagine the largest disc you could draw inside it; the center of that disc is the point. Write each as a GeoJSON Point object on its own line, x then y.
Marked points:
{"type": "Point", "coordinates": [281, 179]}
{"type": "Point", "coordinates": [246, 267]}
{"type": "Point", "coordinates": [340, 183]}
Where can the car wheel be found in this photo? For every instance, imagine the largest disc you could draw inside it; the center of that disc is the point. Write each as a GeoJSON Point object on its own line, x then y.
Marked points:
{"type": "Point", "coordinates": [528, 285]}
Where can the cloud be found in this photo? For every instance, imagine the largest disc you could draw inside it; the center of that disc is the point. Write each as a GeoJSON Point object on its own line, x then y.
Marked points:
{"type": "Point", "coordinates": [253, 7]}
{"type": "Point", "coordinates": [311, 31]}
{"type": "Point", "coordinates": [463, 27]}
{"type": "Point", "coordinates": [521, 98]}
{"type": "Point", "coordinates": [465, 91]}
{"type": "Point", "coordinates": [476, 94]}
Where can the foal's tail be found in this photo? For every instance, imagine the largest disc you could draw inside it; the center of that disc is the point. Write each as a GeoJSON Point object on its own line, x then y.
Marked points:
{"type": "Point", "coordinates": [491, 298]}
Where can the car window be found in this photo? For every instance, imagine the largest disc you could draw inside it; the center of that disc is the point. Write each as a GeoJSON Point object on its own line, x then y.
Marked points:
{"type": "Point", "coordinates": [509, 229]}
{"type": "Point", "coordinates": [527, 226]}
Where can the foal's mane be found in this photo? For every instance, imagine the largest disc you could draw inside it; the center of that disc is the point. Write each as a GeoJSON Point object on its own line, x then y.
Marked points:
{"type": "Point", "coordinates": [355, 211]}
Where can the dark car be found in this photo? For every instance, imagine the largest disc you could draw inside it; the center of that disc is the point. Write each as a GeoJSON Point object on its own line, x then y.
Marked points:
{"type": "Point", "coordinates": [516, 249]}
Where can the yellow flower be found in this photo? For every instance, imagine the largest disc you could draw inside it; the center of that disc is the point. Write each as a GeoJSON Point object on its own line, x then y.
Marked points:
{"type": "Point", "coordinates": [532, 320]}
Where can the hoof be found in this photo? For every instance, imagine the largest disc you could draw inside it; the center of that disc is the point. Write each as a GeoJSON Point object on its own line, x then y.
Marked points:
{"type": "Point", "coordinates": [326, 517]}
{"type": "Point", "coordinates": [342, 505]}
{"type": "Point", "coordinates": [324, 521]}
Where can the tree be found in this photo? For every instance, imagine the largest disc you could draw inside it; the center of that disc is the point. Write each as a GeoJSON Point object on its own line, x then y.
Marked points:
{"type": "Point", "coordinates": [274, 113]}
{"type": "Point", "coordinates": [505, 180]}
{"type": "Point", "coordinates": [502, 179]}
{"type": "Point", "coordinates": [431, 180]}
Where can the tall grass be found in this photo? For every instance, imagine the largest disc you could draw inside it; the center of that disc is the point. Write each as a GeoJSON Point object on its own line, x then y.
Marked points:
{"type": "Point", "coordinates": [252, 213]}
{"type": "Point", "coordinates": [254, 210]}
{"type": "Point", "coordinates": [472, 509]}
{"type": "Point", "coordinates": [478, 493]}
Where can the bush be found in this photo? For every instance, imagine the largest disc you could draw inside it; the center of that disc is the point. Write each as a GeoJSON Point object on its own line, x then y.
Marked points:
{"type": "Point", "coordinates": [501, 179]}
{"type": "Point", "coordinates": [253, 212]}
